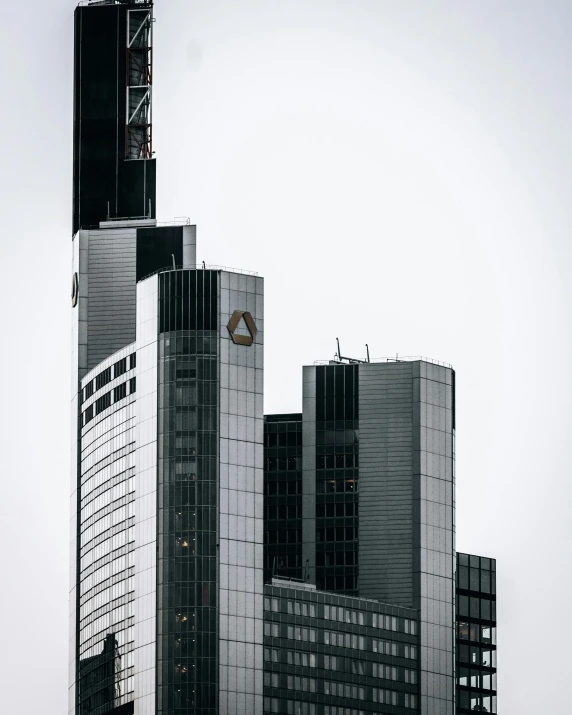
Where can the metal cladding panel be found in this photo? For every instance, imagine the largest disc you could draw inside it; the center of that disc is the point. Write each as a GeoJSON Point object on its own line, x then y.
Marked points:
{"type": "Point", "coordinates": [407, 509]}
{"type": "Point", "coordinates": [434, 532]}
{"type": "Point", "coordinates": [112, 292]}
{"type": "Point", "coordinates": [241, 495]}
{"type": "Point", "coordinates": [386, 482]}
{"type": "Point", "coordinates": [309, 470]}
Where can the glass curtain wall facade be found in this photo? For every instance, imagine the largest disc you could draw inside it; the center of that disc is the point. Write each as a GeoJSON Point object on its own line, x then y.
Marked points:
{"type": "Point", "coordinates": [105, 507]}
{"type": "Point", "coordinates": [337, 478]}
{"type": "Point", "coordinates": [283, 496]}
{"type": "Point", "coordinates": [476, 634]}
{"type": "Point", "coordinates": [187, 636]}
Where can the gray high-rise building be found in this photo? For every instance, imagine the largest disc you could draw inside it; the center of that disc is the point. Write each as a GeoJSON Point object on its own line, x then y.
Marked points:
{"type": "Point", "coordinates": [223, 561]}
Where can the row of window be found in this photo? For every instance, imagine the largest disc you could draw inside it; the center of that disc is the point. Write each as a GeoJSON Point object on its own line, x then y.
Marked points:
{"type": "Point", "coordinates": [103, 402]}
{"type": "Point", "coordinates": [476, 701]}
{"type": "Point", "coordinates": [293, 707]}
{"type": "Point", "coordinates": [337, 436]}
{"type": "Point", "coordinates": [107, 571]}
{"type": "Point", "coordinates": [341, 710]}
{"type": "Point", "coordinates": [333, 662]}
{"type": "Point", "coordinates": [474, 607]}
{"type": "Point", "coordinates": [344, 640]}
{"type": "Point", "coordinates": [338, 533]}
{"type": "Point", "coordinates": [391, 697]}
{"type": "Point", "coordinates": [476, 632]}
{"type": "Point", "coordinates": [474, 579]}
{"type": "Point", "coordinates": [336, 509]}
{"type": "Point", "coordinates": [107, 596]}
{"type": "Point", "coordinates": [294, 511]}
{"type": "Point", "coordinates": [337, 557]}
{"type": "Point", "coordinates": [298, 682]}
{"type": "Point", "coordinates": [115, 517]}
{"type": "Point", "coordinates": [340, 690]}
{"type": "Point", "coordinates": [282, 443]}
{"type": "Point", "coordinates": [390, 672]}
{"type": "Point", "coordinates": [344, 690]}
{"type": "Point", "coordinates": [283, 464]}
{"type": "Point", "coordinates": [337, 461]}
{"type": "Point", "coordinates": [341, 582]}
{"type": "Point", "coordinates": [291, 487]}
{"type": "Point", "coordinates": [107, 546]}
{"type": "Point", "coordinates": [476, 679]}
{"type": "Point", "coordinates": [338, 486]}
{"type": "Point", "coordinates": [477, 656]}
{"type": "Point", "coordinates": [344, 615]}
{"type": "Point", "coordinates": [109, 374]}
{"type": "Point", "coordinates": [115, 491]}
{"type": "Point", "coordinates": [124, 635]}
{"type": "Point", "coordinates": [301, 608]}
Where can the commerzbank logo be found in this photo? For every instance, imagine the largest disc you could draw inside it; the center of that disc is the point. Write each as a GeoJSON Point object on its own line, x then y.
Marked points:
{"type": "Point", "coordinates": [233, 324]}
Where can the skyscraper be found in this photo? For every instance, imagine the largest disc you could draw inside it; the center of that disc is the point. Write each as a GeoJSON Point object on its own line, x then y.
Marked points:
{"type": "Point", "coordinates": [223, 561]}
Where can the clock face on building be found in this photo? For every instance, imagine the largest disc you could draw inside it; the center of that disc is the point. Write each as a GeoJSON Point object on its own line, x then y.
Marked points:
{"type": "Point", "coordinates": [75, 290]}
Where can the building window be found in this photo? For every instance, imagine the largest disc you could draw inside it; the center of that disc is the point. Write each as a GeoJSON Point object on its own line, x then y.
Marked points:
{"type": "Point", "coordinates": [307, 660]}
{"type": "Point", "coordinates": [410, 676]}
{"type": "Point", "coordinates": [272, 705]}
{"type": "Point", "coordinates": [358, 667]}
{"type": "Point", "coordinates": [120, 368]}
{"type": "Point", "coordinates": [271, 680]}
{"type": "Point", "coordinates": [272, 630]}
{"type": "Point", "coordinates": [119, 392]}
{"type": "Point", "coordinates": [388, 672]}
{"type": "Point", "coordinates": [298, 682]}
{"type": "Point", "coordinates": [271, 604]}
{"type": "Point", "coordinates": [88, 390]}
{"type": "Point", "coordinates": [410, 700]}
{"type": "Point", "coordinates": [384, 647]}
{"type": "Point", "coordinates": [272, 655]}
{"type": "Point", "coordinates": [88, 415]}
{"type": "Point", "coordinates": [103, 402]}
{"type": "Point", "coordinates": [103, 378]}
{"type": "Point", "coordinates": [132, 360]}
{"type": "Point", "coordinates": [298, 608]}
{"type": "Point", "coordinates": [409, 626]}
{"type": "Point", "coordinates": [410, 651]}
{"type": "Point", "coordinates": [297, 707]}
{"type": "Point", "coordinates": [387, 697]}
{"type": "Point", "coordinates": [330, 662]}
{"type": "Point", "coordinates": [132, 385]}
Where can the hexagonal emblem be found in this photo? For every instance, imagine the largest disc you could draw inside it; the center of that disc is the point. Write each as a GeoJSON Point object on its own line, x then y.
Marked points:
{"type": "Point", "coordinates": [233, 323]}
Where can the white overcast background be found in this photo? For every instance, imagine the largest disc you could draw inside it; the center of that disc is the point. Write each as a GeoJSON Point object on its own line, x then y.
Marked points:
{"type": "Point", "coordinates": [400, 173]}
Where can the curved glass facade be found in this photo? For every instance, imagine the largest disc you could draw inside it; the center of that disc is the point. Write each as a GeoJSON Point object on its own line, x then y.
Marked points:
{"type": "Point", "coordinates": [105, 536]}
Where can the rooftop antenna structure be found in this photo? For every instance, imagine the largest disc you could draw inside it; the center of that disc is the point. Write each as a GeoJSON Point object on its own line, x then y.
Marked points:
{"type": "Point", "coordinates": [173, 257]}
{"type": "Point", "coordinates": [367, 351]}
{"type": "Point", "coordinates": [351, 361]}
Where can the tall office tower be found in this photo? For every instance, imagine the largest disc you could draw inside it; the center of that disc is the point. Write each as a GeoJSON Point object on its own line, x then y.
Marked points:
{"type": "Point", "coordinates": [166, 601]}
{"type": "Point", "coordinates": [224, 563]}
{"type": "Point", "coordinates": [378, 526]}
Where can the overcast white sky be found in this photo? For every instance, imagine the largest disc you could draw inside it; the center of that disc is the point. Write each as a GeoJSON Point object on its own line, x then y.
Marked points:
{"type": "Point", "coordinates": [400, 173]}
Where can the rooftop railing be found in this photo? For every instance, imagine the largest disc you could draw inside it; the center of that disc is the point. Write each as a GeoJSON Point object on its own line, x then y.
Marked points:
{"type": "Point", "coordinates": [201, 267]}
{"type": "Point", "coordinates": [397, 358]}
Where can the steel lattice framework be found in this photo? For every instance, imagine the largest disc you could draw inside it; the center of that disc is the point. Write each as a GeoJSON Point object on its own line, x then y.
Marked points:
{"type": "Point", "coordinates": [138, 143]}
